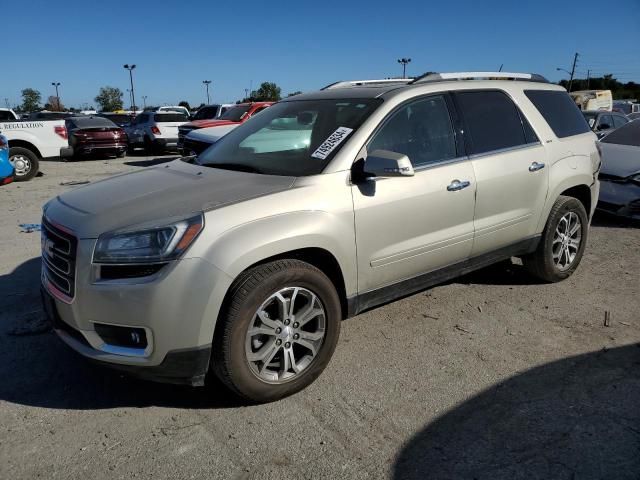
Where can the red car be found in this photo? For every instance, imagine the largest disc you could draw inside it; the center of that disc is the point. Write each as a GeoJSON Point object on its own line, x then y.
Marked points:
{"type": "Point", "coordinates": [95, 135]}
{"type": "Point", "coordinates": [238, 114]}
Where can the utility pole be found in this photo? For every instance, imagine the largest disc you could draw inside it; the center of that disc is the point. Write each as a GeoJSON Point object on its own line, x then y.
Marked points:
{"type": "Point", "coordinates": [144, 102]}
{"type": "Point", "coordinates": [6, 102]}
{"type": "Point", "coordinates": [206, 84]}
{"type": "Point", "coordinates": [588, 78]}
{"type": "Point", "coordinates": [57, 84]}
{"type": "Point", "coordinates": [573, 69]}
{"type": "Point", "coordinates": [129, 92]}
{"type": "Point", "coordinates": [246, 93]}
{"type": "Point", "coordinates": [133, 97]}
{"type": "Point", "coordinates": [404, 62]}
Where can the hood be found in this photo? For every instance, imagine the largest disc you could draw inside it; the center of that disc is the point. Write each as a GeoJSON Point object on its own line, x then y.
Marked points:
{"type": "Point", "coordinates": [212, 134]}
{"type": "Point", "coordinates": [210, 123]}
{"type": "Point", "coordinates": [619, 160]}
{"type": "Point", "coordinates": [156, 194]}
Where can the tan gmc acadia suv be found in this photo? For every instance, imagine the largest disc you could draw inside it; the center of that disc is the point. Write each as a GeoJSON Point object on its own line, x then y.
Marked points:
{"type": "Point", "coordinates": [242, 261]}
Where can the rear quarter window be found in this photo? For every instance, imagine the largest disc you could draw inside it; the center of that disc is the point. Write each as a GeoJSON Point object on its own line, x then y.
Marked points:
{"type": "Point", "coordinates": [560, 112]}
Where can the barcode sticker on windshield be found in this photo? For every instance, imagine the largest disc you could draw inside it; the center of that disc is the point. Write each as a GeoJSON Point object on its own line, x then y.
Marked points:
{"type": "Point", "coordinates": [331, 143]}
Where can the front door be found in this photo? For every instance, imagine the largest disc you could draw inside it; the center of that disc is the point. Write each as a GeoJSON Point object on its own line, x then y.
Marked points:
{"type": "Point", "coordinates": [406, 226]}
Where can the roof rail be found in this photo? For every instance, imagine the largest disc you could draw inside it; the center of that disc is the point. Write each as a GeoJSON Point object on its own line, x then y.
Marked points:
{"type": "Point", "coordinates": [367, 83]}
{"type": "Point", "coordinates": [440, 77]}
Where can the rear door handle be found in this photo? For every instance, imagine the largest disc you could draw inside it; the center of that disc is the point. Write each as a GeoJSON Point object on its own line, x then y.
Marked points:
{"type": "Point", "coordinates": [535, 166]}
{"type": "Point", "coordinates": [456, 185]}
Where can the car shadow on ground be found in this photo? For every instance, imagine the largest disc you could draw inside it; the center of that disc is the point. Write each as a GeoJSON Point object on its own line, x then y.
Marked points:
{"type": "Point", "coordinates": [151, 162]}
{"type": "Point", "coordinates": [37, 369]}
{"type": "Point", "coordinates": [578, 417]}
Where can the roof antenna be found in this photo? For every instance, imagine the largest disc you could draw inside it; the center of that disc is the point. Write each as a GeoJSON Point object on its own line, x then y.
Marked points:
{"type": "Point", "coordinates": [501, 65]}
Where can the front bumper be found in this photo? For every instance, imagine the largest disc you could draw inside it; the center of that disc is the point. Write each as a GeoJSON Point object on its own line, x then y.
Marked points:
{"type": "Point", "coordinates": [619, 198]}
{"type": "Point", "coordinates": [177, 307]}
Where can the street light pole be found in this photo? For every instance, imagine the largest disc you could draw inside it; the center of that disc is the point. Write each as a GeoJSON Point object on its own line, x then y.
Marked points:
{"type": "Point", "coordinates": [206, 84]}
{"type": "Point", "coordinates": [144, 102]}
{"type": "Point", "coordinates": [404, 62]}
{"type": "Point", "coordinates": [133, 97]}
{"type": "Point", "coordinates": [57, 84]}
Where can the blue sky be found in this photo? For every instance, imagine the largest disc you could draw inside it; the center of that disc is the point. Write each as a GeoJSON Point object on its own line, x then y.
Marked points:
{"type": "Point", "coordinates": [299, 45]}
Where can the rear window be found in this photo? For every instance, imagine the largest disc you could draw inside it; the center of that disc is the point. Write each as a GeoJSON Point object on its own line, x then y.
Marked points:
{"type": "Point", "coordinates": [493, 121]}
{"type": "Point", "coordinates": [170, 117]}
{"type": "Point", "coordinates": [91, 122]}
{"type": "Point", "coordinates": [235, 114]}
{"type": "Point", "coordinates": [628, 134]}
{"type": "Point", "coordinates": [206, 113]}
{"type": "Point", "coordinates": [560, 112]}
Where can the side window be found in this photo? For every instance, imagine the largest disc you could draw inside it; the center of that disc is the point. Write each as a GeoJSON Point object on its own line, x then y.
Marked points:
{"type": "Point", "coordinates": [421, 130]}
{"type": "Point", "coordinates": [618, 121]}
{"type": "Point", "coordinates": [492, 120]}
{"type": "Point", "coordinates": [605, 122]}
{"type": "Point", "coordinates": [5, 115]}
{"type": "Point", "coordinates": [560, 112]}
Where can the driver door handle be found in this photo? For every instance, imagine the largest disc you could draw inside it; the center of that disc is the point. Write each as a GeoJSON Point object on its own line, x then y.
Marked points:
{"type": "Point", "coordinates": [535, 166]}
{"type": "Point", "coordinates": [456, 185]}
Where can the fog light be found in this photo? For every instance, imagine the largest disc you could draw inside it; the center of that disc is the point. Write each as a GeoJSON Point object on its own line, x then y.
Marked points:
{"type": "Point", "coordinates": [119, 336]}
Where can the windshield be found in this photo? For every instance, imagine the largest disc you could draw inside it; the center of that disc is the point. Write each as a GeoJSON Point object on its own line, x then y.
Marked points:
{"type": "Point", "coordinates": [206, 113]}
{"type": "Point", "coordinates": [235, 114]}
{"type": "Point", "coordinates": [295, 138]}
{"type": "Point", "coordinates": [628, 134]}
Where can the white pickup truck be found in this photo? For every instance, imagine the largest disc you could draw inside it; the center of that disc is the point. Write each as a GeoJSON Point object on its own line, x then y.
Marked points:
{"type": "Point", "coordinates": [31, 141]}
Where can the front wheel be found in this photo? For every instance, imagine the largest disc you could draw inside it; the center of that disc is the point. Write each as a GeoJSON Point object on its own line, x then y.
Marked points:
{"type": "Point", "coordinates": [25, 163]}
{"type": "Point", "coordinates": [279, 330]}
{"type": "Point", "coordinates": [563, 241]}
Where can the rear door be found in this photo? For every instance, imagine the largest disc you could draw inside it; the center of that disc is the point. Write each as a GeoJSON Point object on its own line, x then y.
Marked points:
{"type": "Point", "coordinates": [509, 164]}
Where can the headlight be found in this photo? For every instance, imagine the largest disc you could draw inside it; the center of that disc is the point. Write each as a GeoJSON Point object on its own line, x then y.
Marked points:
{"type": "Point", "coordinates": [152, 245]}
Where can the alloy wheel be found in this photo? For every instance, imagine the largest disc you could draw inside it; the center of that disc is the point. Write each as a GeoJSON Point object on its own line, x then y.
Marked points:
{"type": "Point", "coordinates": [285, 335]}
{"type": "Point", "coordinates": [566, 241]}
{"type": "Point", "coordinates": [21, 165]}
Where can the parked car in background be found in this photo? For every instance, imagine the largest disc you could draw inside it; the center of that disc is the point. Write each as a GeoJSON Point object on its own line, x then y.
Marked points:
{"type": "Point", "coordinates": [32, 141]}
{"type": "Point", "coordinates": [233, 117]}
{"type": "Point", "coordinates": [6, 169]}
{"type": "Point", "coordinates": [197, 141]}
{"type": "Point", "coordinates": [620, 173]}
{"type": "Point", "coordinates": [156, 131]}
{"type": "Point", "coordinates": [176, 109]}
{"type": "Point", "coordinates": [91, 135]}
{"type": "Point", "coordinates": [243, 261]}
{"type": "Point", "coordinates": [633, 116]}
{"type": "Point", "coordinates": [626, 106]}
{"type": "Point", "coordinates": [588, 100]}
{"type": "Point", "coordinates": [8, 115]}
{"type": "Point", "coordinates": [210, 112]}
{"type": "Point", "coordinates": [46, 115]}
{"type": "Point", "coordinates": [120, 119]}
{"type": "Point", "coordinates": [602, 122]}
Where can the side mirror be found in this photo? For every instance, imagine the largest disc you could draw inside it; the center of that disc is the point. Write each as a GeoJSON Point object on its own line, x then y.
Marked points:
{"type": "Point", "coordinates": [384, 163]}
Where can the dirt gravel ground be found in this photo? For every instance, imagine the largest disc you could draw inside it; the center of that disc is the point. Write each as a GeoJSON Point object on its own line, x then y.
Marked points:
{"type": "Point", "coordinates": [491, 376]}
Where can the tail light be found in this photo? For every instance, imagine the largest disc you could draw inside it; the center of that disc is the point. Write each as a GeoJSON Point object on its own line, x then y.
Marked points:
{"type": "Point", "coordinates": [61, 131]}
{"type": "Point", "coordinates": [155, 130]}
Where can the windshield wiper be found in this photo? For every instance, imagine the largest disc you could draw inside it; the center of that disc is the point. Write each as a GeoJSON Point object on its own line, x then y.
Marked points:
{"type": "Point", "coordinates": [240, 167]}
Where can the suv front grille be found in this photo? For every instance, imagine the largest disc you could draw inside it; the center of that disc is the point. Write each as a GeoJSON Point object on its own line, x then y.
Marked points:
{"type": "Point", "coordinates": [59, 250]}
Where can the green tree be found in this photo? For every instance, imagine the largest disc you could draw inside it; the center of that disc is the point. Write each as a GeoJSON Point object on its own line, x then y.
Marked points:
{"type": "Point", "coordinates": [31, 100]}
{"type": "Point", "coordinates": [268, 92]}
{"type": "Point", "coordinates": [54, 104]}
{"type": "Point", "coordinates": [293, 94]}
{"type": "Point", "coordinates": [109, 99]}
{"type": "Point", "coordinates": [185, 104]}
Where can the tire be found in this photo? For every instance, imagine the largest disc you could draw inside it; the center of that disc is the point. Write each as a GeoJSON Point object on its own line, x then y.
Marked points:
{"type": "Point", "coordinates": [258, 290]}
{"type": "Point", "coordinates": [121, 154]}
{"type": "Point", "coordinates": [25, 163]}
{"type": "Point", "coordinates": [149, 149]}
{"type": "Point", "coordinates": [548, 262]}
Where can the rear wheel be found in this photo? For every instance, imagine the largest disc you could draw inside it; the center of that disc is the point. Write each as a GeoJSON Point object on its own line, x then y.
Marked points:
{"type": "Point", "coordinates": [563, 241]}
{"type": "Point", "coordinates": [279, 331]}
{"type": "Point", "coordinates": [25, 163]}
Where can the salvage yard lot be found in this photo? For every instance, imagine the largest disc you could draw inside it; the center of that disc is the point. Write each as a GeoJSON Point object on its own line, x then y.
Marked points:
{"type": "Point", "coordinates": [493, 375]}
